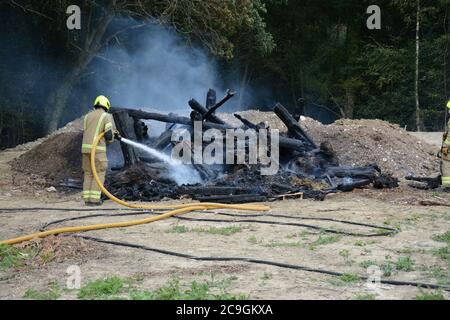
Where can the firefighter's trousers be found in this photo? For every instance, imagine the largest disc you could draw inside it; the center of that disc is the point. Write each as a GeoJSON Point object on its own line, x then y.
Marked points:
{"type": "Point", "coordinates": [91, 191]}
{"type": "Point", "coordinates": [446, 171]}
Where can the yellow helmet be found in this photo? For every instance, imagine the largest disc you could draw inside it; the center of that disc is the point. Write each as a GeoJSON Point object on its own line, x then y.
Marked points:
{"type": "Point", "coordinates": [448, 104]}
{"type": "Point", "coordinates": [102, 101]}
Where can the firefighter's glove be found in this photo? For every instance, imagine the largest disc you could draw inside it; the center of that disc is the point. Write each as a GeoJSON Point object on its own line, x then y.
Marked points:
{"type": "Point", "coordinates": [117, 135]}
{"type": "Point", "coordinates": [444, 151]}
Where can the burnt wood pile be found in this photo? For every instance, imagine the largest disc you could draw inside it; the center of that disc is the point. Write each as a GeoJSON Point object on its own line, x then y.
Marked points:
{"type": "Point", "coordinates": [306, 170]}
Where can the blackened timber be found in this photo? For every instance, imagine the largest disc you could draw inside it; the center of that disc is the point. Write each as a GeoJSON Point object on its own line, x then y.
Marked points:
{"type": "Point", "coordinates": [293, 127]}
{"type": "Point", "coordinates": [246, 122]}
{"type": "Point", "coordinates": [213, 109]}
{"type": "Point", "coordinates": [163, 140]}
{"type": "Point", "coordinates": [168, 118]}
{"type": "Point", "coordinates": [125, 124]}
{"type": "Point", "coordinates": [196, 106]}
{"type": "Point", "coordinates": [368, 172]}
{"type": "Point", "coordinates": [140, 114]}
{"type": "Point", "coordinates": [211, 98]}
{"type": "Point", "coordinates": [285, 142]}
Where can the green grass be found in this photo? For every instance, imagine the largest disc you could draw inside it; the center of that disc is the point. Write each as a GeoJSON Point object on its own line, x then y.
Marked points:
{"type": "Point", "coordinates": [252, 240]}
{"type": "Point", "coordinates": [367, 296]}
{"type": "Point", "coordinates": [438, 273]}
{"type": "Point", "coordinates": [178, 229]}
{"type": "Point", "coordinates": [344, 253]}
{"type": "Point", "coordinates": [360, 243]}
{"type": "Point", "coordinates": [324, 240]}
{"type": "Point", "coordinates": [11, 257]}
{"type": "Point", "coordinates": [443, 237]}
{"type": "Point", "coordinates": [224, 231]}
{"type": "Point", "coordinates": [444, 252]}
{"type": "Point", "coordinates": [102, 289]}
{"type": "Point", "coordinates": [404, 264]}
{"type": "Point", "coordinates": [279, 244]}
{"type": "Point", "coordinates": [344, 279]}
{"type": "Point", "coordinates": [125, 288]}
{"type": "Point", "coordinates": [430, 296]}
{"type": "Point", "coordinates": [349, 277]}
{"type": "Point", "coordinates": [53, 292]}
{"type": "Point", "coordinates": [174, 290]}
{"type": "Point", "coordinates": [387, 266]}
{"type": "Point", "coordinates": [393, 223]}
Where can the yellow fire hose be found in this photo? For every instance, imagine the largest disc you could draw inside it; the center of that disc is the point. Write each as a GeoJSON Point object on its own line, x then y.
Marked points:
{"type": "Point", "coordinates": [178, 209]}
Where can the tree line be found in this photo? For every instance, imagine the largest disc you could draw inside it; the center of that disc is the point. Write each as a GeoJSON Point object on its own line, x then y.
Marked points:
{"type": "Point", "coordinates": [321, 51]}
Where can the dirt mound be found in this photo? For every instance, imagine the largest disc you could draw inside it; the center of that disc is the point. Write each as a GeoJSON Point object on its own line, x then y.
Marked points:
{"type": "Point", "coordinates": [362, 142]}
{"type": "Point", "coordinates": [55, 159]}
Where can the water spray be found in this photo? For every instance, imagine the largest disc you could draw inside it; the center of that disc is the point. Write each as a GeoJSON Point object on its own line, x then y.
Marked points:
{"type": "Point", "coordinates": [179, 172]}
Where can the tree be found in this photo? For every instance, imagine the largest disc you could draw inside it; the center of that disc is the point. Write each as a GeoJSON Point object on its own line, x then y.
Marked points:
{"type": "Point", "coordinates": [212, 22]}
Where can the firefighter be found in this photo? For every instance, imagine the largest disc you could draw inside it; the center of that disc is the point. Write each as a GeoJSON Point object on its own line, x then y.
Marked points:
{"type": "Point", "coordinates": [96, 122]}
{"type": "Point", "coordinates": [445, 156]}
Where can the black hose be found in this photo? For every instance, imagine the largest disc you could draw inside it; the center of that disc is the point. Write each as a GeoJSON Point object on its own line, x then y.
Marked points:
{"type": "Point", "coordinates": [258, 261]}
{"type": "Point", "coordinates": [390, 231]}
{"type": "Point", "coordinates": [63, 209]}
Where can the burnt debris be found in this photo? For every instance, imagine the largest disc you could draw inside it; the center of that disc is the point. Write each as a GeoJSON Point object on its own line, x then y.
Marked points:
{"type": "Point", "coordinates": [306, 170]}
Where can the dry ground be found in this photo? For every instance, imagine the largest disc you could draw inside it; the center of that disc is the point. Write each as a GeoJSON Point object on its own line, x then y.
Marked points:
{"type": "Point", "coordinates": [289, 244]}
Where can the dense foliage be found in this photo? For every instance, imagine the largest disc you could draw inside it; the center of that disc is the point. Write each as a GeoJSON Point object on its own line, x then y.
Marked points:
{"type": "Point", "coordinates": [319, 50]}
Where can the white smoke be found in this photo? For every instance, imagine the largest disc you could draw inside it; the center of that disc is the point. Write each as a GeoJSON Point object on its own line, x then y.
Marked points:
{"type": "Point", "coordinates": [156, 69]}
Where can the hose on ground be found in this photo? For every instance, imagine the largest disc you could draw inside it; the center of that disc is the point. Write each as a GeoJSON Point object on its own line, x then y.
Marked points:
{"type": "Point", "coordinates": [176, 209]}
{"type": "Point", "coordinates": [388, 231]}
{"type": "Point", "coordinates": [259, 261]}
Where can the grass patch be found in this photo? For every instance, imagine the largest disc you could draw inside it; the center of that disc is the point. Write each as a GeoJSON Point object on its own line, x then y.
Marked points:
{"type": "Point", "coordinates": [224, 231]}
{"type": "Point", "coordinates": [53, 292]}
{"type": "Point", "coordinates": [174, 290]}
{"type": "Point", "coordinates": [178, 229]}
{"type": "Point", "coordinates": [124, 288]}
{"type": "Point", "coordinates": [386, 267]}
{"type": "Point", "coordinates": [102, 289]}
{"type": "Point", "coordinates": [278, 244]}
{"type": "Point", "coordinates": [392, 223]}
{"type": "Point", "coordinates": [368, 296]}
{"type": "Point", "coordinates": [437, 295]}
{"type": "Point", "coordinates": [11, 257]}
{"type": "Point", "coordinates": [324, 240]}
{"type": "Point", "coordinates": [344, 279]}
{"type": "Point", "coordinates": [443, 253]}
{"type": "Point", "coordinates": [438, 273]}
{"type": "Point", "coordinates": [443, 237]}
{"type": "Point", "coordinates": [252, 240]}
{"type": "Point", "coordinates": [404, 264]}
{"type": "Point", "coordinates": [344, 253]}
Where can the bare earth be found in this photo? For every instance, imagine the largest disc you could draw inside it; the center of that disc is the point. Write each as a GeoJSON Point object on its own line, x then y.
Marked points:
{"type": "Point", "coordinates": [288, 244]}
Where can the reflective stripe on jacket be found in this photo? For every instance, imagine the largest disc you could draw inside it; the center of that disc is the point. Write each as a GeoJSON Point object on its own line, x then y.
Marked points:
{"type": "Point", "coordinates": [447, 140]}
{"type": "Point", "coordinates": [96, 122]}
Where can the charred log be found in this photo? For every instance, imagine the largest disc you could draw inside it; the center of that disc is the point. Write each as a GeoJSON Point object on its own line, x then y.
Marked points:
{"type": "Point", "coordinates": [211, 98]}
{"type": "Point", "coordinates": [293, 127]}
{"type": "Point", "coordinates": [126, 126]}
{"type": "Point", "coordinates": [216, 106]}
{"type": "Point", "coordinates": [426, 183]}
{"type": "Point", "coordinates": [196, 106]}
